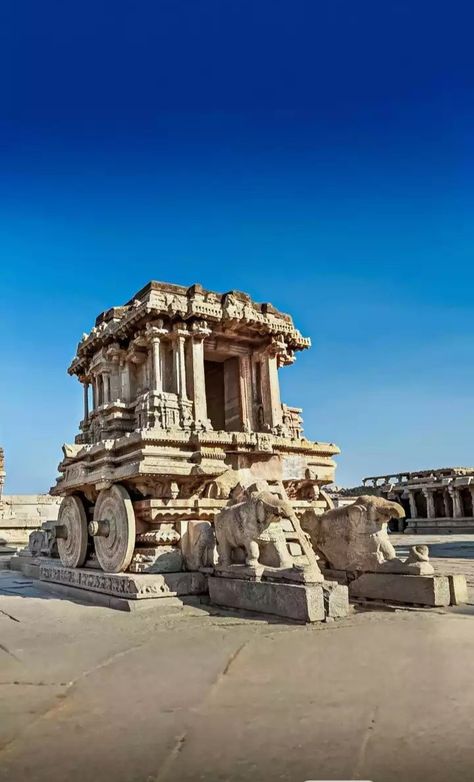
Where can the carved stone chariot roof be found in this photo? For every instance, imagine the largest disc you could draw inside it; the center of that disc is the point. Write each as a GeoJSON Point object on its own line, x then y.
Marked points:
{"type": "Point", "coordinates": [233, 310]}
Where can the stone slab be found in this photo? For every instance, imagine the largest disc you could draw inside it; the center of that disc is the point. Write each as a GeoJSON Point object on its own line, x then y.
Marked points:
{"type": "Point", "coordinates": [458, 593]}
{"type": "Point", "coordinates": [341, 576]}
{"type": "Point", "coordinates": [336, 600]}
{"type": "Point", "coordinates": [401, 588]}
{"type": "Point", "coordinates": [130, 586]}
{"type": "Point", "coordinates": [299, 602]}
{"type": "Point", "coordinates": [29, 569]}
{"type": "Point", "coordinates": [23, 562]}
{"type": "Point", "coordinates": [87, 596]}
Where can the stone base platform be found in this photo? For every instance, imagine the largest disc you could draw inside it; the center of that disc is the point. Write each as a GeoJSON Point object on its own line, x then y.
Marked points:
{"type": "Point", "coordinates": [132, 586]}
{"type": "Point", "coordinates": [439, 526]}
{"type": "Point", "coordinates": [28, 564]}
{"type": "Point", "coordinates": [85, 596]}
{"type": "Point", "coordinates": [426, 590]}
{"type": "Point", "coordinates": [298, 602]}
{"type": "Point", "coordinates": [432, 591]}
{"type": "Point", "coordinates": [123, 591]}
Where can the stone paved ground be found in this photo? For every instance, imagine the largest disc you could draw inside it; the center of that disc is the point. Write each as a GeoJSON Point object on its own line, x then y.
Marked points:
{"type": "Point", "coordinates": [92, 694]}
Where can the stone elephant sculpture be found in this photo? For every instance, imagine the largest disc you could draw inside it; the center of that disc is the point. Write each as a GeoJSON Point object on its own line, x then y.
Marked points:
{"type": "Point", "coordinates": [198, 545]}
{"type": "Point", "coordinates": [354, 537]}
{"type": "Point", "coordinates": [241, 525]}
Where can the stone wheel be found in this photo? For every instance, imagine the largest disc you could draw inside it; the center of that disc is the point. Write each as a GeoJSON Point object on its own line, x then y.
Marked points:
{"type": "Point", "coordinates": [72, 528]}
{"type": "Point", "coordinates": [114, 529]}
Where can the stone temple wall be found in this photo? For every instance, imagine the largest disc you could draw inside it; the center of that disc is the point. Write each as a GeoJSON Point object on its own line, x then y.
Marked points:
{"type": "Point", "coordinates": [20, 514]}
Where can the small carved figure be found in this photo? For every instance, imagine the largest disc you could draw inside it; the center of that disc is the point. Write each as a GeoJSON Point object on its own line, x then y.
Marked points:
{"type": "Point", "coordinates": [36, 542]}
{"type": "Point", "coordinates": [198, 545]}
{"type": "Point", "coordinates": [355, 538]}
{"type": "Point", "coordinates": [241, 525]}
{"type": "Point", "coordinates": [42, 542]}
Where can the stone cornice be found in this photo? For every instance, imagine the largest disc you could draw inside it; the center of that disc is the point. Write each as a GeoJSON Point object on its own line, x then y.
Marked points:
{"type": "Point", "coordinates": [233, 311]}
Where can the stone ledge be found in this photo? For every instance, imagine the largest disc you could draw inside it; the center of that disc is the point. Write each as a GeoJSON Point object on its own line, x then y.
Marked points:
{"type": "Point", "coordinates": [130, 586]}
{"type": "Point", "coordinates": [298, 602]}
{"type": "Point", "coordinates": [400, 588]}
{"type": "Point", "coordinates": [89, 597]}
{"type": "Point", "coordinates": [458, 593]}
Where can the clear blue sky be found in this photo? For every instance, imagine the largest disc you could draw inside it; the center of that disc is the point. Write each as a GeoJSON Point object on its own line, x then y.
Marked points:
{"type": "Point", "coordinates": [318, 155]}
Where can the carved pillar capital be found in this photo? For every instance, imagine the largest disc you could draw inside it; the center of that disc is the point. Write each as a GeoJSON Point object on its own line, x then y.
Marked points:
{"type": "Point", "coordinates": [199, 330]}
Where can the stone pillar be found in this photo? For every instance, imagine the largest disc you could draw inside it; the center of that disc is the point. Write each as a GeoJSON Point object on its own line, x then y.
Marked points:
{"type": "Point", "coordinates": [412, 501]}
{"type": "Point", "coordinates": [156, 377]}
{"type": "Point", "coordinates": [430, 506]}
{"type": "Point", "coordinates": [272, 410]}
{"type": "Point", "coordinates": [246, 393]}
{"type": "Point", "coordinates": [125, 380]}
{"type": "Point", "coordinates": [179, 362]}
{"type": "Point", "coordinates": [196, 377]}
{"type": "Point", "coordinates": [115, 381]}
{"type": "Point", "coordinates": [155, 332]}
{"type": "Point", "coordinates": [86, 400]}
{"type": "Point", "coordinates": [114, 355]}
{"type": "Point", "coordinates": [471, 489]}
{"type": "Point", "coordinates": [457, 502]}
{"type": "Point", "coordinates": [95, 394]}
{"type": "Point", "coordinates": [106, 387]}
{"type": "Point", "coordinates": [447, 503]}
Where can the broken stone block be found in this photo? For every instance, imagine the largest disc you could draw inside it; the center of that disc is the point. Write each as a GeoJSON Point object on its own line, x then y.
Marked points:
{"type": "Point", "coordinates": [336, 599]}
{"type": "Point", "coordinates": [457, 589]}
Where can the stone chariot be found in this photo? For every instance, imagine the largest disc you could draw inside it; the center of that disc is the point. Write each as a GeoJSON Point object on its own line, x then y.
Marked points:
{"type": "Point", "coordinates": [182, 414]}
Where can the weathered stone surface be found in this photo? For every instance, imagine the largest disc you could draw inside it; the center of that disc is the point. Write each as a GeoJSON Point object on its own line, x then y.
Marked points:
{"type": "Point", "coordinates": [401, 588]}
{"type": "Point", "coordinates": [458, 589]}
{"type": "Point", "coordinates": [198, 544]}
{"type": "Point", "coordinates": [185, 411]}
{"type": "Point", "coordinates": [336, 599]}
{"type": "Point", "coordinates": [258, 522]}
{"type": "Point", "coordinates": [354, 538]}
{"type": "Point", "coordinates": [128, 585]}
{"type": "Point", "coordinates": [162, 559]}
{"type": "Point", "coordinates": [127, 604]}
{"type": "Point", "coordinates": [20, 514]}
{"type": "Point", "coordinates": [299, 602]}
{"type": "Point", "coordinates": [438, 500]}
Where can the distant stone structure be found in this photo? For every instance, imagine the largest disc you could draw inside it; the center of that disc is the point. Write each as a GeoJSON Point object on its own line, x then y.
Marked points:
{"type": "Point", "coordinates": [183, 425]}
{"type": "Point", "coordinates": [435, 501]}
{"type": "Point", "coordinates": [21, 514]}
